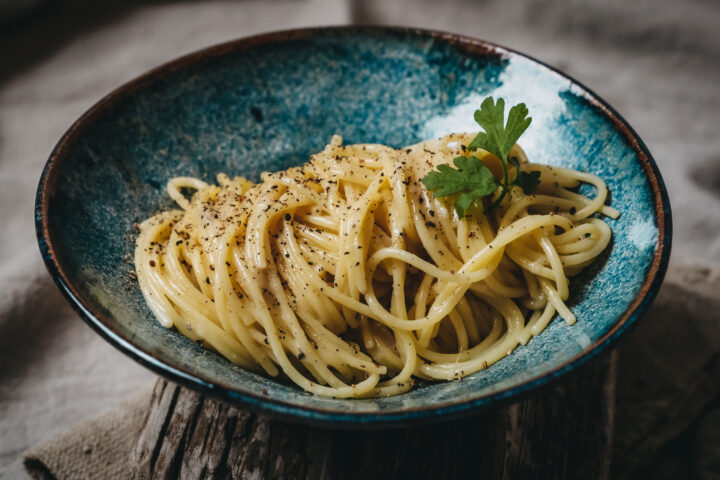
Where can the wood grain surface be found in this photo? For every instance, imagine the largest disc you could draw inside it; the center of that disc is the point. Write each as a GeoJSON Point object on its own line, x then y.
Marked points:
{"type": "Point", "coordinates": [563, 431]}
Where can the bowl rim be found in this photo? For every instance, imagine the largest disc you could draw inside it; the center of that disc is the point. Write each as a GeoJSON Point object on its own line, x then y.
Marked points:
{"type": "Point", "coordinates": [332, 417]}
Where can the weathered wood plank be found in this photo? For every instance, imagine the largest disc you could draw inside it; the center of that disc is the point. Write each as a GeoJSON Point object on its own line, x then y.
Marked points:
{"type": "Point", "coordinates": [671, 367]}
{"type": "Point", "coordinates": [562, 432]}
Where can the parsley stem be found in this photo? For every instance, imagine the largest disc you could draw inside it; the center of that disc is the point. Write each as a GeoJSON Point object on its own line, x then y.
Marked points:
{"type": "Point", "coordinates": [505, 185]}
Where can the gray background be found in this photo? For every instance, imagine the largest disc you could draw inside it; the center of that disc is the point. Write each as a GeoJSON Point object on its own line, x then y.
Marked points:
{"type": "Point", "coordinates": [657, 62]}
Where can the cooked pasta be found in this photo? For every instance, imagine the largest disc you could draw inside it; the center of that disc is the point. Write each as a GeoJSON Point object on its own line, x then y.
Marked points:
{"type": "Point", "coordinates": [349, 278]}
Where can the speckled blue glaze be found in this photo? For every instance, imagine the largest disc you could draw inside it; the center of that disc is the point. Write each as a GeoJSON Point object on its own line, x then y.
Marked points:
{"type": "Point", "coordinates": [267, 103]}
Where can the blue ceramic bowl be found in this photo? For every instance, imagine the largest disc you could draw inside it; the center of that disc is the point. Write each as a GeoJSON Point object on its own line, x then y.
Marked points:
{"type": "Point", "coordinates": [268, 102]}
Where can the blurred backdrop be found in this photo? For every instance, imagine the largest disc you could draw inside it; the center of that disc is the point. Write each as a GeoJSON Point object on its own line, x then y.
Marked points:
{"type": "Point", "coordinates": [657, 62]}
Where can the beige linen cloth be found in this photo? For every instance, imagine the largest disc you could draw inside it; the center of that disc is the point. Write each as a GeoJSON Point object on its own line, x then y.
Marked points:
{"type": "Point", "coordinates": [656, 61]}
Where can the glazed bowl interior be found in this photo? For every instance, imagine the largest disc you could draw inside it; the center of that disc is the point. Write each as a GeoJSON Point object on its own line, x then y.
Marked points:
{"type": "Point", "coordinates": [267, 103]}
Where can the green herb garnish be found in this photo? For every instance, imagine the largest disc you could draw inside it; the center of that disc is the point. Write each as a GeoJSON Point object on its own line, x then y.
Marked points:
{"type": "Point", "coordinates": [473, 180]}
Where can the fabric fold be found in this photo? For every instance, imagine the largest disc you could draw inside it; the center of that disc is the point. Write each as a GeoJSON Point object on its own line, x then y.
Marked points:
{"type": "Point", "coordinates": [96, 448]}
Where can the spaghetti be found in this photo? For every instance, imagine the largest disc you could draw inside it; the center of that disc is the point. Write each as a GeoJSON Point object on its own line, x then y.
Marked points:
{"type": "Point", "coordinates": [347, 276]}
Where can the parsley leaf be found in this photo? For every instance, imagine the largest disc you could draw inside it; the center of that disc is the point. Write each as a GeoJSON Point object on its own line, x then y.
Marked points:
{"type": "Point", "coordinates": [472, 180]}
{"type": "Point", "coordinates": [528, 181]}
{"type": "Point", "coordinates": [498, 139]}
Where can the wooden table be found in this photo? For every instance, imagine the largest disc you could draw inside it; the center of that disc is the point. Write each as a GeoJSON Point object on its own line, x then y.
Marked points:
{"type": "Point", "coordinates": [563, 431]}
